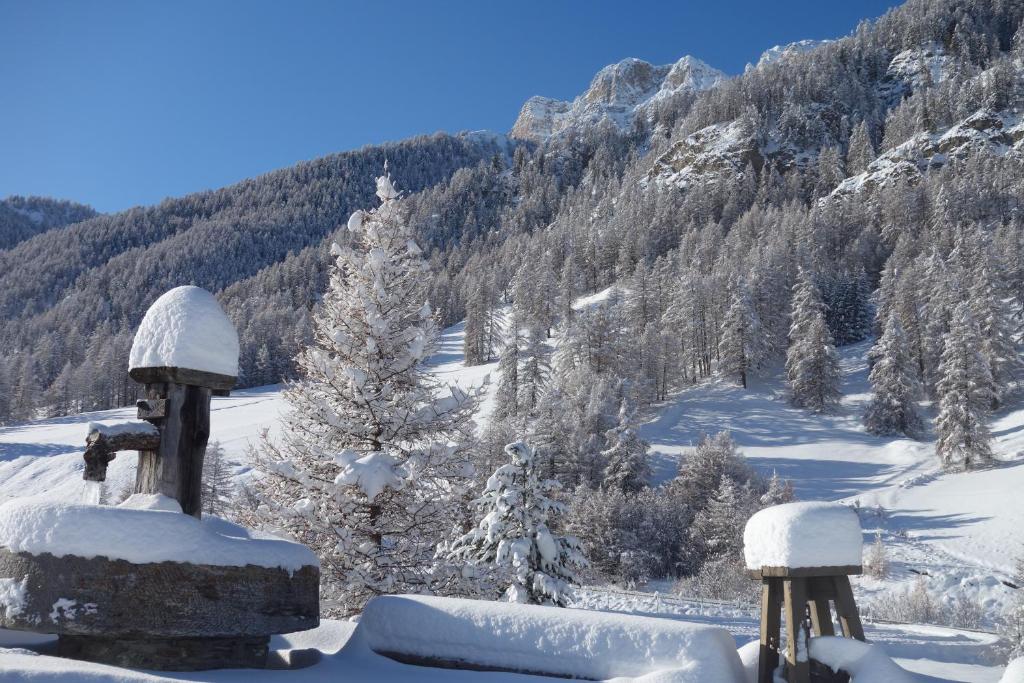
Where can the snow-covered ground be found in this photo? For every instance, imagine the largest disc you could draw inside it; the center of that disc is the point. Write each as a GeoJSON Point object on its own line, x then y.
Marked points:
{"type": "Point", "coordinates": [961, 532]}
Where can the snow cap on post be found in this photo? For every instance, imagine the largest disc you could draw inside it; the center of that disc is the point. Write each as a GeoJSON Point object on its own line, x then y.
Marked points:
{"type": "Point", "coordinates": [186, 329]}
{"type": "Point", "coordinates": [803, 535]}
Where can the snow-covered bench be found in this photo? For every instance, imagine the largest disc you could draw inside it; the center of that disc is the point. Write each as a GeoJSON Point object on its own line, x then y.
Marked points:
{"type": "Point", "coordinates": [568, 643]}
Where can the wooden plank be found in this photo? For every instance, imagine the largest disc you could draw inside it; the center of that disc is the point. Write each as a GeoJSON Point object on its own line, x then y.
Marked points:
{"type": "Point", "coordinates": [804, 572]}
{"type": "Point", "coordinates": [846, 608]}
{"type": "Point", "coordinates": [771, 606]}
{"type": "Point", "coordinates": [798, 665]}
{"type": "Point", "coordinates": [195, 378]}
{"type": "Point", "coordinates": [821, 618]}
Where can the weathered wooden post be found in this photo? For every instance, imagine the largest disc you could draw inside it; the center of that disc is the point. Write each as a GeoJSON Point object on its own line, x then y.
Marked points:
{"type": "Point", "coordinates": [140, 584]}
{"type": "Point", "coordinates": [803, 554]}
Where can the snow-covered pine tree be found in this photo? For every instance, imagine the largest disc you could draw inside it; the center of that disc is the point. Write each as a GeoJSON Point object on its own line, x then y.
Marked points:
{"type": "Point", "coordinates": [965, 396]}
{"type": "Point", "coordinates": [741, 348]}
{"type": "Point", "coordinates": [370, 467]}
{"type": "Point", "coordinates": [812, 365]}
{"type": "Point", "coordinates": [893, 408]}
{"type": "Point", "coordinates": [779, 491]}
{"type": "Point", "coordinates": [218, 484]}
{"type": "Point", "coordinates": [1012, 621]}
{"type": "Point", "coordinates": [507, 393]}
{"type": "Point", "coordinates": [512, 548]}
{"type": "Point", "coordinates": [990, 308]}
{"type": "Point", "coordinates": [626, 467]}
{"type": "Point", "coordinates": [718, 528]}
{"type": "Point", "coordinates": [534, 371]}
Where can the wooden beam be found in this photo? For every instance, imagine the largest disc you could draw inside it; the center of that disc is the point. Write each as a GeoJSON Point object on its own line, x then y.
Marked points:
{"type": "Point", "coordinates": [195, 378]}
{"type": "Point", "coordinates": [804, 572]}
{"type": "Point", "coordinates": [846, 609]}
{"type": "Point", "coordinates": [798, 662]}
{"type": "Point", "coordinates": [771, 606]}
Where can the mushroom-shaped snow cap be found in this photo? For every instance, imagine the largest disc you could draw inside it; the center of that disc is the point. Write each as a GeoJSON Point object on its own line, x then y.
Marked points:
{"type": "Point", "coordinates": [803, 535]}
{"type": "Point", "coordinates": [186, 329]}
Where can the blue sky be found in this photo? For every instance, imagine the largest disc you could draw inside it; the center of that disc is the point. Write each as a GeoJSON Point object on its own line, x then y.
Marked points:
{"type": "Point", "coordinates": [118, 104]}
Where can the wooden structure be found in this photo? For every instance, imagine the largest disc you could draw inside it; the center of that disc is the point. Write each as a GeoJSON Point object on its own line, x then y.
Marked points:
{"type": "Point", "coordinates": [803, 595]}
{"type": "Point", "coordinates": [178, 403]}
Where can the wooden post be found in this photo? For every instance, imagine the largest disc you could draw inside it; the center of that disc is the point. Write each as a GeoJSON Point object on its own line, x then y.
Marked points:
{"type": "Point", "coordinates": [178, 403]}
{"type": "Point", "coordinates": [798, 667]}
{"type": "Point", "coordinates": [771, 604]}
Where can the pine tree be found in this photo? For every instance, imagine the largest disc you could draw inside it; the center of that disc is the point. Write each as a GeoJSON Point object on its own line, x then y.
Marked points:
{"type": "Point", "coordinates": [812, 365]}
{"type": "Point", "coordinates": [218, 483]}
{"type": "Point", "coordinates": [626, 456]}
{"type": "Point", "coordinates": [862, 151]}
{"type": "Point", "coordinates": [965, 396]}
{"type": "Point", "coordinates": [507, 393]}
{"type": "Point", "coordinates": [718, 528]}
{"type": "Point", "coordinates": [370, 469]}
{"type": "Point", "coordinates": [513, 545]}
{"type": "Point", "coordinates": [779, 492]}
{"type": "Point", "coordinates": [893, 408]}
{"type": "Point", "coordinates": [741, 348]}
{"type": "Point", "coordinates": [1012, 622]}
{"type": "Point", "coordinates": [990, 309]}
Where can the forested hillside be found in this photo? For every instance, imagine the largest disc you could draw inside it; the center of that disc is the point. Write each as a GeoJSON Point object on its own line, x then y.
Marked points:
{"type": "Point", "coordinates": [885, 166]}
{"type": "Point", "coordinates": [25, 217]}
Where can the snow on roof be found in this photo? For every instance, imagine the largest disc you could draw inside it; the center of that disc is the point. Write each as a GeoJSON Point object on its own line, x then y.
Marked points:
{"type": "Point", "coordinates": [144, 529]}
{"type": "Point", "coordinates": [186, 328]}
{"type": "Point", "coordinates": [803, 535]}
{"type": "Point", "coordinates": [557, 641]}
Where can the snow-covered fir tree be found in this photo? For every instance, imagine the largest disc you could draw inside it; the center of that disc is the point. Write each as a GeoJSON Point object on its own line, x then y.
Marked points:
{"type": "Point", "coordinates": [513, 549]}
{"type": "Point", "coordinates": [966, 394]}
{"type": "Point", "coordinates": [812, 364]}
{"type": "Point", "coordinates": [218, 483]}
{"type": "Point", "coordinates": [370, 466]}
{"type": "Point", "coordinates": [893, 408]}
{"type": "Point", "coordinates": [741, 348]}
{"type": "Point", "coordinates": [718, 528]}
{"type": "Point", "coordinates": [627, 468]}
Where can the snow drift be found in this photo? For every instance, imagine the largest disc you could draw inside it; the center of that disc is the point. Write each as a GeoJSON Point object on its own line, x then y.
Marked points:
{"type": "Point", "coordinates": [550, 640]}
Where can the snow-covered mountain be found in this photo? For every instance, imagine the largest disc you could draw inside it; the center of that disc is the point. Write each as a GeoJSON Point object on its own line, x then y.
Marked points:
{"type": "Point", "coordinates": [618, 93]}
{"type": "Point", "coordinates": [780, 52]}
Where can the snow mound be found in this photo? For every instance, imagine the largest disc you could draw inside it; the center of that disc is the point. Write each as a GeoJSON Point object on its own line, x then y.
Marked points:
{"type": "Point", "coordinates": [1014, 672]}
{"type": "Point", "coordinates": [803, 535]}
{"type": "Point", "coordinates": [186, 328]}
{"type": "Point", "coordinates": [551, 640]}
{"type": "Point", "coordinates": [149, 528]}
{"type": "Point", "coordinates": [864, 662]}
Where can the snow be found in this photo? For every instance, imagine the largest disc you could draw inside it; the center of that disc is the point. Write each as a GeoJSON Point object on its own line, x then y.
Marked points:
{"type": "Point", "coordinates": [811, 534]}
{"type": "Point", "coordinates": [149, 529]}
{"type": "Point", "coordinates": [186, 328]}
{"type": "Point", "coordinates": [1014, 672]}
{"type": "Point", "coordinates": [565, 642]}
{"type": "Point", "coordinates": [780, 52]}
{"type": "Point", "coordinates": [961, 530]}
{"type": "Point", "coordinates": [121, 427]}
{"type": "Point", "coordinates": [12, 595]}
{"type": "Point", "coordinates": [866, 663]}
{"type": "Point", "coordinates": [372, 473]}
{"type": "Point", "coordinates": [66, 609]}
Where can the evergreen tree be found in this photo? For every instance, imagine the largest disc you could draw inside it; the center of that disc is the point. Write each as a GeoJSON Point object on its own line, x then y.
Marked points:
{"type": "Point", "coordinates": [513, 544]}
{"type": "Point", "coordinates": [718, 528]}
{"type": "Point", "coordinates": [626, 455]}
{"type": "Point", "coordinates": [370, 468]}
{"type": "Point", "coordinates": [741, 348]}
{"type": "Point", "coordinates": [965, 396]}
{"type": "Point", "coordinates": [218, 482]}
{"type": "Point", "coordinates": [812, 365]}
{"type": "Point", "coordinates": [893, 408]}
{"type": "Point", "coordinates": [861, 151]}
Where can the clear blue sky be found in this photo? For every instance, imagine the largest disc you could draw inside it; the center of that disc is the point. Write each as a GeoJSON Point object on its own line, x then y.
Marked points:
{"type": "Point", "coordinates": [117, 104]}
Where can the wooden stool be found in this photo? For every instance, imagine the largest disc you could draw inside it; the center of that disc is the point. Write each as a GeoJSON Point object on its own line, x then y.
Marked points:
{"type": "Point", "coordinates": [804, 593]}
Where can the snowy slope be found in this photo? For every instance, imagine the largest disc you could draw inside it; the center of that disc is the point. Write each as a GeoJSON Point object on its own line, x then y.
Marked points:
{"type": "Point", "coordinates": [961, 529]}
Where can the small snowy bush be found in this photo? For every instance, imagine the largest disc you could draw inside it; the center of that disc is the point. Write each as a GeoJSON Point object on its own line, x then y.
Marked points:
{"type": "Point", "coordinates": [513, 545]}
